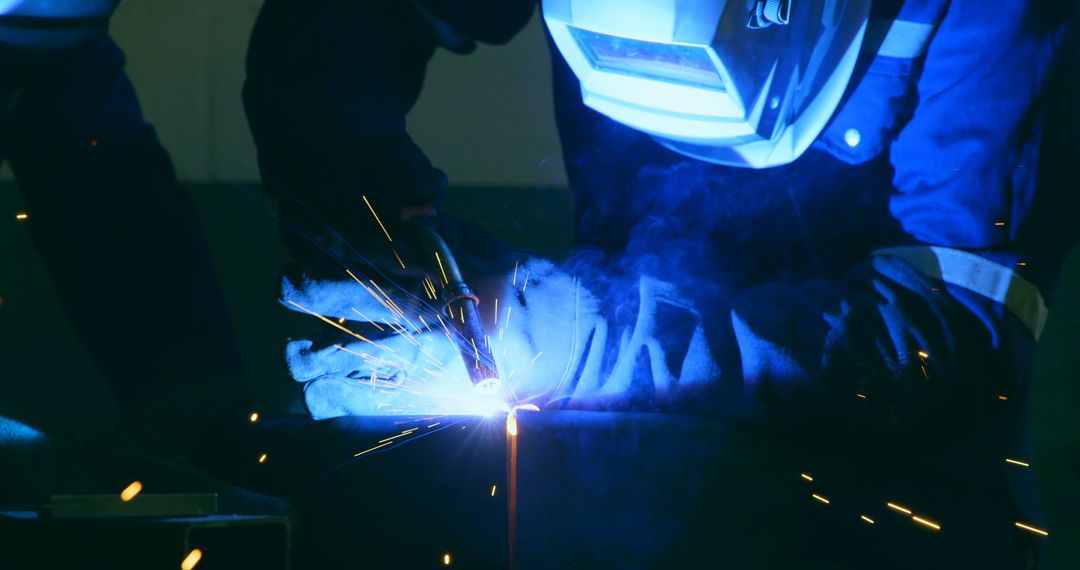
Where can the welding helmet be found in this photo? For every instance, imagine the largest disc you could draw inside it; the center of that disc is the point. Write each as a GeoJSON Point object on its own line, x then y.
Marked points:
{"type": "Point", "coordinates": [745, 83]}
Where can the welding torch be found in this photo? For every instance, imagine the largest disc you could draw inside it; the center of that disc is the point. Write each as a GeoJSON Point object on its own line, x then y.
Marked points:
{"type": "Point", "coordinates": [459, 305]}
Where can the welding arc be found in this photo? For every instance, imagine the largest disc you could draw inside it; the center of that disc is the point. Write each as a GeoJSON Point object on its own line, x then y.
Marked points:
{"type": "Point", "coordinates": [457, 298]}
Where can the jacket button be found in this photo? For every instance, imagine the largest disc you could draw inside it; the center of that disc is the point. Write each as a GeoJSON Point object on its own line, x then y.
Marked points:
{"type": "Point", "coordinates": [852, 137]}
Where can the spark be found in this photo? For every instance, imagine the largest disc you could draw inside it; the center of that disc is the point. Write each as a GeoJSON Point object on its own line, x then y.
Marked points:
{"type": "Point", "coordinates": [820, 498]}
{"type": "Point", "coordinates": [262, 458]}
{"type": "Point", "coordinates": [898, 508]}
{"type": "Point", "coordinates": [999, 224]}
{"type": "Point", "coordinates": [367, 319]}
{"type": "Point", "coordinates": [377, 219]}
{"type": "Point", "coordinates": [1015, 462]}
{"type": "Point", "coordinates": [337, 326]}
{"type": "Point", "coordinates": [496, 312]}
{"type": "Point", "coordinates": [806, 476]}
{"type": "Point", "coordinates": [863, 396]}
{"type": "Point", "coordinates": [1003, 398]}
{"type": "Point", "coordinates": [191, 559]}
{"type": "Point", "coordinates": [446, 559]}
{"type": "Point", "coordinates": [1029, 528]}
{"type": "Point", "coordinates": [441, 268]}
{"type": "Point", "coordinates": [446, 329]}
{"type": "Point", "coordinates": [511, 425]}
{"type": "Point", "coordinates": [537, 357]}
{"type": "Point", "coordinates": [493, 490]}
{"type": "Point", "coordinates": [400, 262]}
{"type": "Point", "coordinates": [526, 284]}
{"type": "Point", "coordinates": [341, 320]}
{"type": "Point", "coordinates": [131, 491]}
{"type": "Point", "coordinates": [402, 434]}
{"type": "Point", "coordinates": [514, 282]}
{"type": "Point", "coordinates": [393, 305]}
{"type": "Point", "coordinates": [923, 354]}
{"type": "Point", "coordinates": [867, 519]}
{"type": "Point", "coordinates": [254, 417]}
{"type": "Point", "coordinates": [1021, 264]}
{"type": "Point", "coordinates": [22, 216]}
{"type": "Point", "coordinates": [925, 522]}
{"type": "Point", "coordinates": [433, 425]}
{"type": "Point", "coordinates": [507, 323]}
{"type": "Point", "coordinates": [476, 351]}
{"type": "Point", "coordinates": [381, 445]}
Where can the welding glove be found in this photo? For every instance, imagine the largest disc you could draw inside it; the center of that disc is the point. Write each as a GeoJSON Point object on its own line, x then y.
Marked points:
{"type": "Point", "coordinates": [378, 351]}
{"type": "Point", "coordinates": [550, 340]}
{"type": "Point", "coordinates": [659, 360]}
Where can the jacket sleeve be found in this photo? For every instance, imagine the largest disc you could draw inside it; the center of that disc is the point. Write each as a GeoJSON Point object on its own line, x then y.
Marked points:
{"type": "Point", "coordinates": [328, 86]}
{"type": "Point", "coordinates": [920, 339]}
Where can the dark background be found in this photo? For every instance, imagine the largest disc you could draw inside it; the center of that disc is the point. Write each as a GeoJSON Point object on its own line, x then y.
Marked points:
{"type": "Point", "coordinates": [485, 119]}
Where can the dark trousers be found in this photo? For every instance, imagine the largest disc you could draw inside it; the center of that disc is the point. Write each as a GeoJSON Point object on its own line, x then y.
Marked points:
{"type": "Point", "coordinates": [120, 239]}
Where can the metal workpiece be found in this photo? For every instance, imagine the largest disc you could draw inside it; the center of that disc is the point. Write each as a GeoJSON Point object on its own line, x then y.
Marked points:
{"type": "Point", "coordinates": [588, 490]}
{"type": "Point", "coordinates": [621, 490]}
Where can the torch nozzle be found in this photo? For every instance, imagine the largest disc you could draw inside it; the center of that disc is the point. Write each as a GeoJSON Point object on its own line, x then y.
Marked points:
{"type": "Point", "coordinates": [461, 308]}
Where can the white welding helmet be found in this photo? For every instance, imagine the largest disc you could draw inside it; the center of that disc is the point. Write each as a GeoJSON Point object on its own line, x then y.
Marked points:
{"type": "Point", "coordinates": [737, 82]}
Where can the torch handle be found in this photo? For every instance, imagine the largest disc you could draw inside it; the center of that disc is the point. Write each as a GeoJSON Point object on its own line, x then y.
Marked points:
{"type": "Point", "coordinates": [460, 306]}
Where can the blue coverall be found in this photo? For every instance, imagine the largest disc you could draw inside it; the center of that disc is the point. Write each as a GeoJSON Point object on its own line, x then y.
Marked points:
{"type": "Point", "coordinates": [117, 234]}
{"type": "Point", "coordinates": [903, 369]}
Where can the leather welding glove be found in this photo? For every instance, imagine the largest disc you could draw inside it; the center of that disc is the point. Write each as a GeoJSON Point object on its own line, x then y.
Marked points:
{"type": "Point", "coordinates": [660, 361]}
{"type": "Point", "coordinates": [372, 351]}
{"type": "Point", "coordinates": [550, 343]}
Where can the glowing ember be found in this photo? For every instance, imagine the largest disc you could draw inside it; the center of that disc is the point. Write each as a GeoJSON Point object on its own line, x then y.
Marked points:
{"type": "Point", "coordinates": [191, 559]}
{"type": "Point", "coordinates": [511, 425]}
{"type": "Point", "coordinates": [1015, 462]}
{"type": "Point", "coordinates": [898, 508]}
{"type": "Point", "coordinates": [493, 490]}
{"type": "Point", "coordinates": [381, 445]}
{"type": "Point", "coordinates": [254, 417]}
{"type": "Point", "coordinates": [131, 491]}
{"type": "Point", "coordinates": [22, 216]}
{"type": "Point", "coordinates": [446, 560]}
{"type": "Point", "coordinates": [441, 268]}
{"type": "Point", "coordinates": [819, 498]}
{"type": "Point", "coordinates": [926, 523]}
{"type": "Point", "coordinates": [867, 519]}
{"type": "Point", "coordinates": [377, 219]}
{"type": "Point", "coordinates": [262, 458]}
{"type": "Point", "coordinates": [1029, 528]}
{"type": "Point", "coordinates": [806, 476]}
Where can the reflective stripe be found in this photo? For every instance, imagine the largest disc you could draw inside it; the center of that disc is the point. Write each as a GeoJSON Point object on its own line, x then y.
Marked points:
{"type": "Point", "coordinates": [981, 276]}
{"type": "Point", "coordinates": [899, 38]}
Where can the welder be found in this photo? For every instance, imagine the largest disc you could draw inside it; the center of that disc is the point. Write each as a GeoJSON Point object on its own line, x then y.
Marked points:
{"type": "Point", "coordinates": [830, 218]}
{"type": "Point", "coordinates": [121, 241]}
